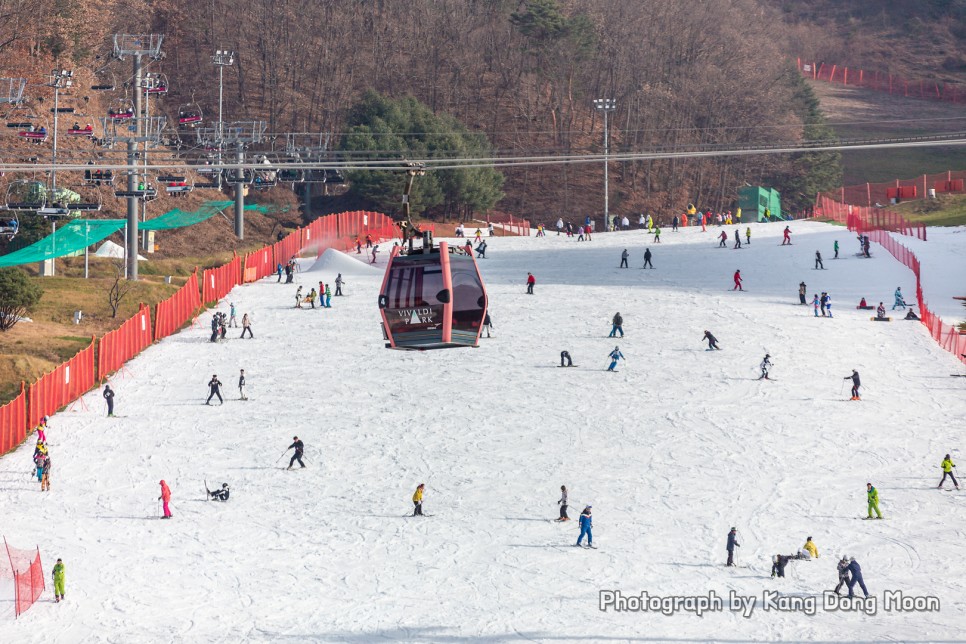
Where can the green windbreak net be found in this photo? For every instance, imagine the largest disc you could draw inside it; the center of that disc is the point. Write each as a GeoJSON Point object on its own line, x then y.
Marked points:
{"type": "Point", "coordinates": [72, 237]}
{"type": "Point", "coordinates": [179, 219]}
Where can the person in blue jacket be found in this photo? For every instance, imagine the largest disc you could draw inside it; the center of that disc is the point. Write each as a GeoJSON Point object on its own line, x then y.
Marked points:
{"type": "Point", "coordinates": [585, 528]}
{"type": "Point", "coordinates": [899, 299]}
{"type": "Point", "coordinates": [856, 572]}
{"type": "Point", "coordinates": [279, 271]}
{"type": "Point", "coordinates": [615, 355]}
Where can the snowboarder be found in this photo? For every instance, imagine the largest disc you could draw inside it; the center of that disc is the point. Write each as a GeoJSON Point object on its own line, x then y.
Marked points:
{"type": "Point", "coordinates": [481, 250]}
{"type": "Point", "coordinates": [856, 572]}
{"type": "Point", "coordinates": [647, 259]}
{"type": "Point", "coordinates": [618, 325]}
{"type": "Point", "coordinates": [57, 574]}
{"type": "Point", "coordinates": [299, 447]}
{"type": "Point", "coordinates": [810, 548]}
{"type": "Point", "coordinates": [737, 238]}
{"type": "Point", "coordinates": [765, 366]}
{"type": "Point", "coordinates": [880, 312]}
{"type": "Point", "coordinates": [738, 286]}
{"type": "Point", "coordinates": [732, 544]}
{"type": "Point", "coordinates": [787, 237]}
{"type": "Point", "coordinates": [899, 301]}
{"type": "Point", "coordinates": [247, 326]}
{"type": "Point", "coordinates": [855, 384]}
{"type": "Point", "coordinates": [873, 498]}
{"type": "Point", "coordinates": [818, 261]}
{"type": "Point", "coordinates": [418, 500]}
{"type": "Point", "coordinates": [241, 385]}
{"type": "Point", "coordinates": [338, 285]}
{"type": "Point", "coordinates": [565, 355]}
{"type": "Point", "coordinates": [531, 280]}
{"type": "Point", "coordinates": [487, 324]}
{"type": "Point", "coordinates": [947, 468]}
{"type": "Point", "coordinates": [624, 259]}
{"type": "Point", "coordinates": [165, 499]}
{"type": "Point", "coordinates": [585, 528]}
{"type": "Point", "coordinates": [801, 292]}
{"type": "Point", "coordinates": [724, 239]}
{"type": "Point", "coordinates": [214, 389]}
{"type": "Point", "coordinates": [843, 570]}
{"type": "Point", "coordinates": [615, 355]}
{"type": "Point", "coordinates": [712, 341]}
{"type": "Point", "coordinates": [232, 320]}
{"type": "Point", "coordinates": [220, 495]}
{"type": "Point", "coordinates": [109, 399]}
{"type": "Point", "coordinates": [835, 247]}
{"type": "Point", "coordinates": [563, 504]}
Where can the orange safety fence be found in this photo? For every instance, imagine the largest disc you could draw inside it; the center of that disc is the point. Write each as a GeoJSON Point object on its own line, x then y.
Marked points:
{"type": "Point", "coordinates": [123, 343]}
{"type": "Point", "coordinates": [62, 386]}
{"type": "Point", "coordinates": [511, 224]}
{"type": "Point", "coordinates": [173, 312]}
{"type": "Point", "coordinates": [217, 282]}
{"type": "Point", "coordinates": [888, 192]}
{"type": "Point", "coordinates": [861, 219]}
{"type": "Point", "coordinates": [884, 82]}
{"type": "Point", "coordinates": [13, 421]}
{"type": "Point", "coordinates": [259, 264]}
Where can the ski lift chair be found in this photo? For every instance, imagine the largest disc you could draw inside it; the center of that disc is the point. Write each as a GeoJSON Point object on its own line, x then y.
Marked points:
{"type": "Point", "coordinates": [26, 194]}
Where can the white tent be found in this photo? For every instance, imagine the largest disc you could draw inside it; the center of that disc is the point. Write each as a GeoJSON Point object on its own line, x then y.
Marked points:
{"type": "Point", "coordinates": [110, 249]}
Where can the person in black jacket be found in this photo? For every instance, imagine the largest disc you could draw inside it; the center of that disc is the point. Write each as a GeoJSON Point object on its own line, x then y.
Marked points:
{"type": "Point", "coordinates": [299, 450]}
{"type": "Point", "coordinates": [241, 385]}
{"type": "Point", "coordinates": [712, 341]}
{"type": "Point", "coordinates": [220, 495]}
{"type": "Point", "coordinates": [843, 569]}
{"type": "Point", "coordinates": [778, 563]}
{"type": "Point", "coordinates": [487, 324]}
{"type": "Point", "coordinates": [732, 544]}
{"type": "Point", "coordinates": [855, 384]}
{"type": "Point", "coordinates": [856, 572]}
{"type": "Point", "coordinates": [618, 325]}
{"type": "Point", "coordinates": [624, 259]}
{"type": "Point", "coordinates": [109, 399]}
{"type": "Point", "coordinates": [214, 389]}
{"type": "Point", "coordinates": [647, 259]}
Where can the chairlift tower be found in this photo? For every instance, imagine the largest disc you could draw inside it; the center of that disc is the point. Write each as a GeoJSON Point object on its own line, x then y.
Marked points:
{"type": "Point", "coordinates": [241, 134]}
{"type": "Point", "coordinates": [137, 46]}
{"type": "Point", "coordinates": [11, 90]}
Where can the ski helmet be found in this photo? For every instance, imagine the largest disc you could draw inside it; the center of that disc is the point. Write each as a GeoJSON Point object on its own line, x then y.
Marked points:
{"type": "Point", "coordinates": [224, 485]}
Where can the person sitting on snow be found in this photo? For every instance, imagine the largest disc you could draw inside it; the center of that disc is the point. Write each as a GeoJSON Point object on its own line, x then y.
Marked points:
{"type": "Point", "coordinates": [220, 495]}
{"type": "Point", "coordinates": [911, 315]}
{"type": "Point", "coordinates": [880, 312]}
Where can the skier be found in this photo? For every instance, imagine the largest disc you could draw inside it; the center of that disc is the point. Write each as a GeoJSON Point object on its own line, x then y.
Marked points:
{"type": "Point", "coordinates": [737, 239]}
{"type": "Point", "coordinates": [843, 570]}
{"type": "Point", "coordinates": [585, 528]}
{"type": "Point", "coordinates": [375, 249]}
{"type": "Point", "coordinates": [289, 273]}
{"type": "Point", "coordinates": [856, 571]}
{"type": "Point", "coordinates": [214, 328]}
{"type": "Point", "coordinates": [810, 548]}
{"type": "Point", "coordinates": [580, 233]}
{"type": "Point", "coordinates": [299, 447]}
{"type": "Point", "coordinates": [481, 250]}
{"type": "Point", "coordinates": [765, 365]}
{"type": "Point", "coordinates": [787, 237]}
{"type": "Point", "coordinates": [732, 544]}
{"type": "Point", "coordinates": [947, 468]}
{"type": "Point", "coordinates": [358, 246]}
{"type": "Point", "coordinates": [487, 324]}
{"type": "Point", "coordinates": [647, 259]}
{"type": "Point", "coordinates": [712, 341]}
{"type": "Point", "coordinates": [220, 495]}
{"type": "Point", "coordinates": [724, 238]}
{"type": "Point", "coordinates": [279, 271]}
{"type": "Point", "coordinates": [214, 389]}
{"type": "Point", "coordinates": [247, 326]}
{"type": "Point", "coordinates": [624, 259]}
{"type": "Point", "coordinates": [747, 233]}
{"type": "Point", "coordinates": [241, 385]}
{"type": "Point", "coordinates": [109, 399]}
{"type": "Point", "coordinates": [818, 261]}
{"type": "Point", "coordinates": [560, 225]}
{"type": "Point", "coordinates": [899, 301]}
{"type": "Point", "coordinates": [531, 280]}
{"type": "Point", "coordinates": [565, 355]}
{"type": "Point", "coordinates": [657, 234]}
{"type": "Point", "coordinates": [232, 320]}
{"type": "Point", "coordinates": [738, 286]}
{"type": "Point", "coordinates": [674, 224]}
{"type": "Point", "coordinates": [855, 384]}
{"type": "Point", "coordinates": [615, 355]}
{"type": "Point", "coordinates": [40, 456]}
{"type": "Point", "coordinates": [57, 574]}
{"type": "Point", "coordinates": [490, 231]}
{"type": "Point", "coordinates": [827, 304]}
{"type": "Point", "coordinates": [298, 298]}
{"type": "Point", "coordinates": [222, 328]}
{"type": "Point", "coordinates": [418, 500]}
{"type": "Point", "coordinates": [338, 285]}
{"type": "Point", "coordinates": [563, 504]}
{"type": "Point", "coordinates": [45, 474]}
{"type": "Point", "coordinates": [873, 498]}
{"type": "Point", "coordinates": [42, 430]}
{"type": "Point", "coordinates": [368, 241]}
{"type": "Point", "coordinates": [165, 498]}
{"type": "Point", "coordinates": [618, 325]}
{"type": "Point", "coordinates": [778, 563]}
{"type": "Point", "coordinates": [801, 292]}
{"type": "Point", "coordinates": [835, 247]}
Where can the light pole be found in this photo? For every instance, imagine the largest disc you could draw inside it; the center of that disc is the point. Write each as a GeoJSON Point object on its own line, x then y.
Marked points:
{"type": "Point", "coordinates": [605, 105]}
{"type": "Point", "coordinates": [222, 58]}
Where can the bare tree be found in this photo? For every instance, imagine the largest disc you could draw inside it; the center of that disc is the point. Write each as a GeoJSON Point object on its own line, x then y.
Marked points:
{"type": "Point", "coordinates": [120, 288]}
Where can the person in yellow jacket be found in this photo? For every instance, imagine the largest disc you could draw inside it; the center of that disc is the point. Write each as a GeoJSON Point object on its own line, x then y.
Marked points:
{"type": "Point", "coordinates": [418, 500]}
{"type": "Point", "coordinates": [58, 577]}
{"type": "Point", "coordinates": [873, 495]}
{"type": "Point", "coordinates": [811, 548]}
{"type": "Point", "coordinates": [738, 215]}
{"type": "Point", "coordinates": [948, 466]}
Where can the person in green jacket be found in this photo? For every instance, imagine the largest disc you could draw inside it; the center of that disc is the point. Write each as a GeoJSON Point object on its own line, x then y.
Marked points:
{"type": "Point", "coordinates": [58, 575]}
{"type": "Point", "coordinates": [328, 296]}
{"type": "Point", "coordinates": [835, 247]}
{"type": "Point", "coordinates": [873, 495]}
{"type": "Point", "coordinates": [948, 466]}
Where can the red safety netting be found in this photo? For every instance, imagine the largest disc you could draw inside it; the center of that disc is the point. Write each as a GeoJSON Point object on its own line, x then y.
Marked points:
{"type": "Point", "coordinates": [172, 313]}
{"type": "Point", "coordinates": [123, 343]}
{"type": "Point", "coordinates": [62, 386]}
{"type": "Point", "coordinates": [259, 264]}
{"type": "Point", "coordinates": [13, 421]}
{"type": "Point", "coordinates": [870, 194]}
{"type": "Point", "coordinates": [510, 223]}
{"type": "Point", "coordinates": [217, 282]}
{"type": "Point", "coordinates": [862, 219]}
{"type": "Point", "coordinates": [884, 82]}
{"type": "Point", "coordinates": [28, 576]}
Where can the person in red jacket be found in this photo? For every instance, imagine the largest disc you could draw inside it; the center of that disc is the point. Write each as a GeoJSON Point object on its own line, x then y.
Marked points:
{"type": "Point", "coordinates": [165, 498]}
{"type": "Point", "coordinates": [787, 240]}
{"type": "Point", "coordinates": [531, 280]}
{"type": "Point", "coordinates": [737, 281]}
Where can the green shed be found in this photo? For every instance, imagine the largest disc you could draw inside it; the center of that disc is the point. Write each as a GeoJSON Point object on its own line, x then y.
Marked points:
{"type": "Point", "coordinates": [755, 199]}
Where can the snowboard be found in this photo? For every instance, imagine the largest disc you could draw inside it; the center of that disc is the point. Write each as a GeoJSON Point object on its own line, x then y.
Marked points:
{"type": "Point", "coordinates": [874, 319]}
{"type": "Point", "coordinates": [865, 308]}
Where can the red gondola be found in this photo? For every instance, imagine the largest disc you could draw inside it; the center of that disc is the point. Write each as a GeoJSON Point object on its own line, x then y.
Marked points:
{"type": "Point", "coordinates": [432, 298]}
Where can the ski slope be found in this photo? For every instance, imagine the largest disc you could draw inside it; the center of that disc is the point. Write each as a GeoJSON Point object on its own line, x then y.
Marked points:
{"type": "Point", "coordinates": [672, 450]}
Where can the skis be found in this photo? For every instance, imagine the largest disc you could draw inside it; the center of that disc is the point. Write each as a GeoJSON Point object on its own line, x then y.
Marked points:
{"type": "Point", "coordinates": [207, 491]}
{"type": "Point", "coordinates": [567, 366]}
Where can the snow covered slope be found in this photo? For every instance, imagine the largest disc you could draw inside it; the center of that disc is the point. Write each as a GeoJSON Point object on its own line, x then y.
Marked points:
{"type": "Point", "coordinates": [671, 451]}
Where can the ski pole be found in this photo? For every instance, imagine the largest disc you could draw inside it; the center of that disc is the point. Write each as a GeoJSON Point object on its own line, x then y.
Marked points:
{"type": "Point", "coordinates": [280, 457]}
{"type": "Point", "coordinates": [842, 388]}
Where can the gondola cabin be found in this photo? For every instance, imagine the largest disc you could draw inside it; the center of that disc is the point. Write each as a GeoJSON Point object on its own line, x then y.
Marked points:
{"type": "Point", "coordinates": [432, 298]}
